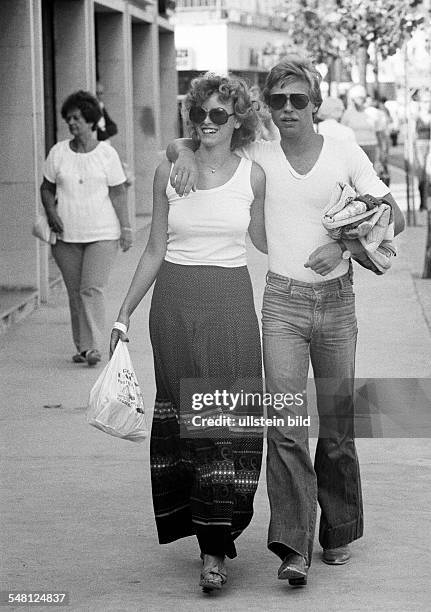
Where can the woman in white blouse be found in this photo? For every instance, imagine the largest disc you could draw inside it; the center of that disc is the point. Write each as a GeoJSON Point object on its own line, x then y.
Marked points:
{"type": "Point", "coordinates": [84, 196]}
{"type": "Point", "coordinates": [203, 326]}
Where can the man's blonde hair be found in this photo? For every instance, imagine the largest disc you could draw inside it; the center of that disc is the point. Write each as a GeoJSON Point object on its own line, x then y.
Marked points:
{"type": "Point", "coordinates": [299, 68]}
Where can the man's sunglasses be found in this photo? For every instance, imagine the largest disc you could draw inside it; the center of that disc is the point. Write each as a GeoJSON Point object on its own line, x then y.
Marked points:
{"type": "Point", "coordinates": [298, 100]}
{"type": "Point", "coordinates": [219, 116]}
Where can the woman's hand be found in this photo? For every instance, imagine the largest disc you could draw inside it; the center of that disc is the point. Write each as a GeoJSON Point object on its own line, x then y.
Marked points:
{"type": "Point", "coordinates": [48, 192]}
{"type": "Point", "coordinates": [126, 238]}
{"type": "Point", "coordinates": [116, 335]}
{"type": "Point", "coordinates": [54, 221]}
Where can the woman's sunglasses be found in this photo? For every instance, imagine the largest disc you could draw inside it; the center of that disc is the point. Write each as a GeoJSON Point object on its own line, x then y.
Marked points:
{"type": "Point", "coordinates": [297, 100]}
{"type": "Point", "coordinates": [219, 116]}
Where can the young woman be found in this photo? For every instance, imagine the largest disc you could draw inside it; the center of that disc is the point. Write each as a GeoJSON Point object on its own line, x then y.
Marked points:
{"type": "Point", "coordinates": [203, 325]}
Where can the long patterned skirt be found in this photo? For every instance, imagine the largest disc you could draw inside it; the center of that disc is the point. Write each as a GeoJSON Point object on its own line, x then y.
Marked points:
{"type": "Point", "coordinates": [203, 326]}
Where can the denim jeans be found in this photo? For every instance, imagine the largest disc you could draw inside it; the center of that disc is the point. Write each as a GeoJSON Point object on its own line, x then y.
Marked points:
{"type": "Point", "coordinates": [317, 321]}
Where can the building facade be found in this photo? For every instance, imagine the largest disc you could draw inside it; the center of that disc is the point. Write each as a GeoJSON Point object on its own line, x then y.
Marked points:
{"type": "Point", "coordinates": [243, 37]}
{"type": "Point", "coordinates": [50, 48]}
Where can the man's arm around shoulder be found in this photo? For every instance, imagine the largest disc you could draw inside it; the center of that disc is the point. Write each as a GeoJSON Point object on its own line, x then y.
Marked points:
{"type": "Point", "coordinates": [184, 175]}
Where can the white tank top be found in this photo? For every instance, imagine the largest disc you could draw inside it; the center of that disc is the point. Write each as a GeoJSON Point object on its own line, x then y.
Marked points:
{"type": "Point", "coordinates": [208, 227]}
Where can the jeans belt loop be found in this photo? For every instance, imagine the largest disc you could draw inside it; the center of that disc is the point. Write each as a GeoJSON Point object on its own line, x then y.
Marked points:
{"type": "Point", "coordinates": [350, 272]}
{"type": "Point", "coordinates": [289, 286]}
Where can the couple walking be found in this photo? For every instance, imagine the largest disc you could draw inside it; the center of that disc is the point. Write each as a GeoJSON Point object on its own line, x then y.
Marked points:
{"type": "Point", "coordinates": [203, 323]}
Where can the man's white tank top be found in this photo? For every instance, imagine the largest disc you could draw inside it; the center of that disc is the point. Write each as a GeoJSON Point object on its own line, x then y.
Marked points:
{"type": "Point", "coordinates": [208, 227]}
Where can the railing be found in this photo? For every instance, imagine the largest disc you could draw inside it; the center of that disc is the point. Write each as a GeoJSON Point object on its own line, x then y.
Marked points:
{"type": "Point", "coordinates": [200, 4]}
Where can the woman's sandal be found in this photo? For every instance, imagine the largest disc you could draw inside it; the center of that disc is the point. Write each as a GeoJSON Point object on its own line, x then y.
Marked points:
{"type": "Point", "coordinates": [212, 578]}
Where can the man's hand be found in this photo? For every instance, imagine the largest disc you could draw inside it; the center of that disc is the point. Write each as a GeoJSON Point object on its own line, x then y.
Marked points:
{"type": "Point", "coordinates": [325, 258]}
{"type": "Point", "coordinates": [184, 174]}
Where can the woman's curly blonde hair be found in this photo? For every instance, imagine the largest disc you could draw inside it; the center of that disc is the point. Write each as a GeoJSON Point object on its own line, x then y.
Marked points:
{"type": "Point", "coordinates": [227, 88]}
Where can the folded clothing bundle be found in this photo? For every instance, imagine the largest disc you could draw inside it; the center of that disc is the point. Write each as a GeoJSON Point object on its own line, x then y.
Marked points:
{"type": "Point", "coordinates": [366, 218]}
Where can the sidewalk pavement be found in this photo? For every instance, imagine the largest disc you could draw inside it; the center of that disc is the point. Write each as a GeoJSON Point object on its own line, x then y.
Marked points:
{"type": "Point", "coordinates": [76, 504]}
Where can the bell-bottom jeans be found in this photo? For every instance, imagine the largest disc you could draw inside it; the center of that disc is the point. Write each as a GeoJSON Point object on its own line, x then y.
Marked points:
{"type": "Point", "coordinates": [317, 321]}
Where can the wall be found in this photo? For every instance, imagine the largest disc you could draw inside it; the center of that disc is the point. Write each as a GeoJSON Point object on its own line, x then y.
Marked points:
{"type": "Point", "coordinates": [168, 87]}
{"type": "Point", "coordinates": [241, 39]}
{"type": "Point", "coordinates": [146, 111]}
{"type": "Point", "coordinates": [21, 135]}
{"type": "Point", "coordinates": [208, 45]}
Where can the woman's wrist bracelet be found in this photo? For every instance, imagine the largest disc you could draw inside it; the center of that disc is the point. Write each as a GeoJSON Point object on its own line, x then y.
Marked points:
{"type": "Point", "coordinates": [127, 228]}
{"type": "Point", "coordinates": [120, 326]}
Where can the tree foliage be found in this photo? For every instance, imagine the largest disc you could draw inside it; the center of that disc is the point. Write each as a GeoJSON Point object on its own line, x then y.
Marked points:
{"type": "Point", "coordinates": [309, 29]}
{"type": "Point", "coordinates": [386, 23]}
{"type": "Point", "coordinates": [326, 28]}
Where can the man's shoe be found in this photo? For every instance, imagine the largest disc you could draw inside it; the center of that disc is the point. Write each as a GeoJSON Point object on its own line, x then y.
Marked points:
{"type": "Point", "coordinates": [294, 569]}
{"type": "Point", "coordinates": [93, 356]}
{"type": "Point", "coordinates": [336, 556]}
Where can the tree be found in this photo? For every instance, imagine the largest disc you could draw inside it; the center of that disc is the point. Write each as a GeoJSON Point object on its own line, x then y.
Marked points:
{"type": "Point", "coordinates": [386, 24]}
{"type": "Point", "coordinates": [310, 30]}
{"type": "Point", "coordinates": [324, 27]}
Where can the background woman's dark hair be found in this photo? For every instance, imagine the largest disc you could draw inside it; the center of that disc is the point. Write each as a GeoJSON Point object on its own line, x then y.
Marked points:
{"type": "Point", "coordinates": [86, 103]}
{"type": "Point", "coordinates": [227, 88]}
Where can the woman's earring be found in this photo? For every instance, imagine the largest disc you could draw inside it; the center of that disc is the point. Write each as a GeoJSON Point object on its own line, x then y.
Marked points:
{"type": "Point", "coordinates": [255, 105]}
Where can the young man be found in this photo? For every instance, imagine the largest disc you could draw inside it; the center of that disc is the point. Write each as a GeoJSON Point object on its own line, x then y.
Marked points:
{"type": "Point", "coordinates": [308, 313]}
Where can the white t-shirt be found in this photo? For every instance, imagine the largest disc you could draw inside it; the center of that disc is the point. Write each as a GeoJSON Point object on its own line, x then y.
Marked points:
{"type": "Point", "coordinates": [209, 226]}
{"type": "Point", "coordinates": [294, 203]}
{"type": "Point", "coordinates": [333, 129]}
{"type": "Point", "coordinates": [83, 181]}
{"type": "Point", "coordinates": [362, 124]}
{"type": "Point", "coordinates": [379, 118]}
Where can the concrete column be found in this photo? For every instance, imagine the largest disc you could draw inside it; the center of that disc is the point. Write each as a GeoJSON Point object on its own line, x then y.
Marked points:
{"type": "Point", "coordinates": [146, 111]}
{"type": "Point", "coordinates": [168, 87]}
{"type": "Point", "coordinates": [74, 52]}
{"type": "Point", "coordinates": [115, 72]}
{"type": "Point", "coordinates": [21, 134]}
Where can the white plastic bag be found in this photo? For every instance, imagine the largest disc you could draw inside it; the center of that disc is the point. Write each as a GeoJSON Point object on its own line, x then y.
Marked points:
{"type": "Point", "coordinates": [115, 405]}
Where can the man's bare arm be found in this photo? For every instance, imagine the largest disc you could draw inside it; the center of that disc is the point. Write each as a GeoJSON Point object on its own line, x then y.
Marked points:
{"type": "Point", "coordinates": [184, 175]}
{"type": "Point", "coordinates": [399, 221]}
